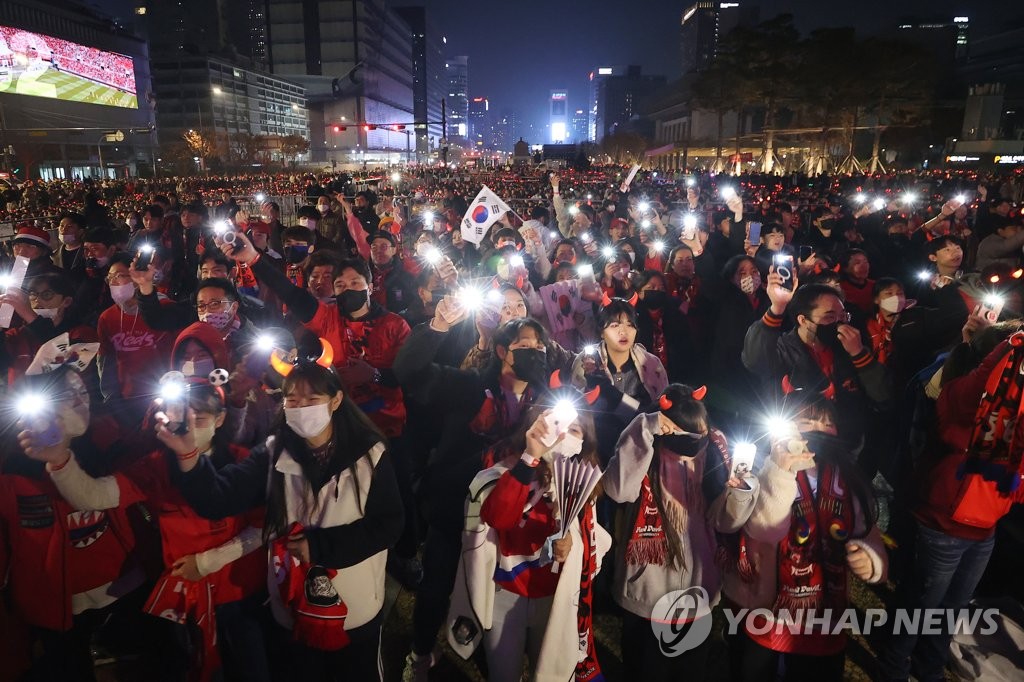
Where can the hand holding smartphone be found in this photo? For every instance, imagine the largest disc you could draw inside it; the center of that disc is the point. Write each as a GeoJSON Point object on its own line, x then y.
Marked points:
{"type": "Point", "coordinates": [754, 233]}
{"type": "Point", "coordinates": [783, 263]}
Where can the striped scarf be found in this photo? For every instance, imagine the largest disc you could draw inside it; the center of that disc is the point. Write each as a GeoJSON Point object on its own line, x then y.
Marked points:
{"type": "Point", "coordinates": [997, 442]}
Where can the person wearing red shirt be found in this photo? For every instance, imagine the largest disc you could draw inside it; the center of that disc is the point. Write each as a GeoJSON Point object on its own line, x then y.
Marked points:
{"type": "Point", "coordinates": [132, 355]}
{"type": "Point", "coordinates": [215, 564]}
{"type": "Point", "coordinates": [537, 571]}
{"type": "Point", "coordinates": [64, 571]}
{"type": "Point", "coordinates": [857, 287]}
{"type": "Point", "coordinates": [365, 337]}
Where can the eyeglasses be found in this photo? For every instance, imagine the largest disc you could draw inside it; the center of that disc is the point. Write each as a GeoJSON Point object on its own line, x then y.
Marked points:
{"type": "Point", "coordinates": [44, 296]}
{"type": "Point", "coordinates": [843, 317]}
{"type": "Point", "coordinates": [212, 306]}
{"type": "Point", "coordinates": [119, 277]}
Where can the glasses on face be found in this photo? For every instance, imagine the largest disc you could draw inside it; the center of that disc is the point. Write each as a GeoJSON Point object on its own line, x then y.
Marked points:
{"type": "Point", "coordinates": [44, 296]}
{"type": "Point", "coordinates": [118, 278]}
{"type": "Point", "coordinates": [830, 317]}
{"type": "Point", "coordinates": [212, 306]}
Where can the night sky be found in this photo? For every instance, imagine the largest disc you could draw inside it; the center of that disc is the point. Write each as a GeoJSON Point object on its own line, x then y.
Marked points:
{"type": "Point", "coordinates": [521, 49]}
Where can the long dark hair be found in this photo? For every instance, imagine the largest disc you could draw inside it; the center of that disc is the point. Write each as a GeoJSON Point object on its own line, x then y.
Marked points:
{"type": "Point", "coordinates": [838, 455]}
{"type": "Point", "coordinates": [691, 415]}
{"type": "Point", "coordinates": [354, 435]}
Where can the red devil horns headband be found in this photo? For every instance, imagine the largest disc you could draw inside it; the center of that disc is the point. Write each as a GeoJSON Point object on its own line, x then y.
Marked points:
{"type": "Point", "coordinates": [284, 368]}
{"type": "Point", "coordinates": [607, 301]}
{"type": "Point", "coordinates": [665, 403]}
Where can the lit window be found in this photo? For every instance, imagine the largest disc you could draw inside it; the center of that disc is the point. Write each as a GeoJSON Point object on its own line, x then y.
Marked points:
{"type": "Point", "coordinates": [140, 11]}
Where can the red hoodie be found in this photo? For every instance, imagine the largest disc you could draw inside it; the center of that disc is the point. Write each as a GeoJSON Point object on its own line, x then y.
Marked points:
{"type": "Point", "coordinates": [210, 338]}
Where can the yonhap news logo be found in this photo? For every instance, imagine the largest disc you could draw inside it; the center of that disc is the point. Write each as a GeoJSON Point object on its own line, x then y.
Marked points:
{"type": "Point", "coordinates": [681, 620]}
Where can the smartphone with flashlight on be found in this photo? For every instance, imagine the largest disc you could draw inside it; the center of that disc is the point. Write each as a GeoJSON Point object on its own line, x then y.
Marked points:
{"type": "Point", "coordinates": [783, 263]}
{"type": "Point", "coordinates": [990, 308]}
{"type": "Point", "coordinates": [144, 258]}
{"type": "Point", "coordinates": [558, 420]}
{"type": "Point", "coordinates": [742, 459]}
{"type": "Point", "coordinates": [37, 413]}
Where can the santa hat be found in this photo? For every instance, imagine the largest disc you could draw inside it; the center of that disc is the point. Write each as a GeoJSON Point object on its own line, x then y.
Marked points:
{"type": "Point", "coordinates": [35, 236]}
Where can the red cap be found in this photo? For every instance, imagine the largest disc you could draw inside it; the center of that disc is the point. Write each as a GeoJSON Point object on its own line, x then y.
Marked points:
{"type": "Point", "coordinates": [260, 226]}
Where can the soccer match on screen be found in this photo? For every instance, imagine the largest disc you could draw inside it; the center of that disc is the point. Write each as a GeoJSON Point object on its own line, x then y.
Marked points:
{"type": "Point", "coordinates": [44, 66]}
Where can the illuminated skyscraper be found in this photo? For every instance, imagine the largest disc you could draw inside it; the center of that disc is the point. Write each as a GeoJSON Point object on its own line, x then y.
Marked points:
{"type": "Point", "coordinates": [457, 69]}
{"type": "Point", "coordinates": [558, 121]}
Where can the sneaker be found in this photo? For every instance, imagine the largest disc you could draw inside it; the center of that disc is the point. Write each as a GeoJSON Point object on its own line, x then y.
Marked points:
{"type": "Point", "coordinates": [417, 667]}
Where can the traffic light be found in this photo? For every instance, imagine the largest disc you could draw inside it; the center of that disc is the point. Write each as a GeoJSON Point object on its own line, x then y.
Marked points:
{"type": "Point", "coordinates": [337, 129]}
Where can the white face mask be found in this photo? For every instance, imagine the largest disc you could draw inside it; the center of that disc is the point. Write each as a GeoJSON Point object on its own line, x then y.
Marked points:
{"type": "Point", "coordinates": [204, 436]}
{"type": "Point", "coordinates": [304, 222]}
{"type": "Point", "coordinates": [76, 420]}
{"type": "Point", "coordinates": [68, 239]}
{"type": "Point", "coordinates": [569, 446]}
{"type": "Point", "coordinates": [309, 421]}
{"type": "Point", "coordinates": [122, 293]}
{"type": "Point", "coordinates": [892, 304]}
{"type": "Point", "coordinates": [48, 313]}
{"type": "Point", "coordinates": [323, 208]}
{"type": "Point", "coordinates": [197, 368]}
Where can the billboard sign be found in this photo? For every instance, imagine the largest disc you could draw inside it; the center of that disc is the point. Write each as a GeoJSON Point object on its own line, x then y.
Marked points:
{"type": "Point", "coordinates": [43, 66]}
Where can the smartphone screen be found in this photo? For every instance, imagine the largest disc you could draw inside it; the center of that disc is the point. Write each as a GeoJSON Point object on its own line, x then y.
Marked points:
{"type": "Point", "coordinates": [784, 266]}
{"type": "Point", "coordinates": [754, 235]}
{"type": "Point", "coordinates": [805, 252]}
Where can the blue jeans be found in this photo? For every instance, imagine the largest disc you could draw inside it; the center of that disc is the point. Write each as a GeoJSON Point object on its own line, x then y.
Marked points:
{"type": "Point", "coordinates": [945, 573]}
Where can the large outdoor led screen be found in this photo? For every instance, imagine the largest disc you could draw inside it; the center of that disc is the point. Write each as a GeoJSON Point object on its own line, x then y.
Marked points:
{"type": "Point", "coordinates": [44, 66]}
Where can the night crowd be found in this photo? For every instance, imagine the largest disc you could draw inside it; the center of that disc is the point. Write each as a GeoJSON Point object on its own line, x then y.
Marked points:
{"type": "Point", "coordinates": [222, 431]}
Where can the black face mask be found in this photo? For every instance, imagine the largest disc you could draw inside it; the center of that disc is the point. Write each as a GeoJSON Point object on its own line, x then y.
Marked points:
{"type": "Point", "coordinates": [686, 446]}
{"type": "Point", "coordinates": [530, 364]}
{"type": "Point", "coordinates": [352, 300]}
{"type": "Point", "coordinates": [826, 447]}
{"type": "Point", "coordinates": [828, 335]}
{"type": "Point", "coordinates": [295, 254]}
{"type": "Point", "coordinates": [654, 298]}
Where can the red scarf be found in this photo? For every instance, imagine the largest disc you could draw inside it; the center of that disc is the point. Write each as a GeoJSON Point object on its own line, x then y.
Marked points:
{"type": "Point", "coordinates": [588, 670]}
{"type": "Point", "coordinates": [317, 608]}
{"type": "Point", "coordinates": [812, 556]}
{"type": "Point", "coordinates": [647, 543]}
{"type": "Point", "coordinates": [181, 601]}
{"type": "Point", "coordinates": [881, 337]}
{"type": "Point", "coordinates": [658, 346]}
{"type": "Point", "coordinates": [997, 439]}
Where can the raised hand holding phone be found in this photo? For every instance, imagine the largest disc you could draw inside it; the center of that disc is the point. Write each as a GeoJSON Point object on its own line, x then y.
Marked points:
{"type": "Point", "coordinates": [778, 293]}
